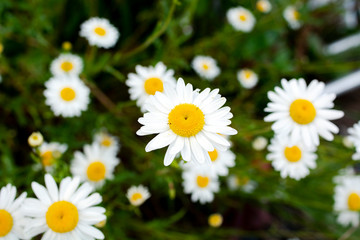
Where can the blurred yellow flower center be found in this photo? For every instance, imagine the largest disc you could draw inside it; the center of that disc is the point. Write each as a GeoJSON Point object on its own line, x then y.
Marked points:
{"type": "Point", "coordinates": [100, 31]}
{"type": "Point", "coordinates": [215, 220]}
{"type": "Point", "coordinates": [354, 202]}
{"type": "Point", "coordinates": [242, 17]}
{"type": "Point", "coordinates": [67, 66]}
{"type": "Point", "coordinates": [67, 94]}
{"type": "Point", "coordinates": [247, 74]}
{"type": "Point", "coordinates": [302, 111]}
{"type": "Point", "coordinates": [213, 155]}
{"type": "Point", "coordinates": [296, 15]}
{"type": "Point", "coordinates": [292, 154]}
{"type": "Point", "coordinates": [260, 5]}
{"type": "Point", "coordinates": [152, 85]}
{"type": "Point", "coordinates": [243, 181]}
{"type": "Point", "coordinates": [205, 66]}
{"type": "Point", "coordinates": [186, 120]}
{"type": "Point", "coordinates": [6, 222]}
{"type": "Point", "coordinates": [62, 217]}
{"type": "Point", "coordinates": [67, 46]}
{"type": "Point", "coordinates": [136, 196]}
{"type": "Point", "coordinates": [202, 181]}
{"type": "Point", "coordinates": [1, 48]}
{"type": "Point", "coordinates": [47, 158]}
{"type": "Point", "coordinates": [96, 171]}
{"type": "Point", "coordinates": [106, 142]}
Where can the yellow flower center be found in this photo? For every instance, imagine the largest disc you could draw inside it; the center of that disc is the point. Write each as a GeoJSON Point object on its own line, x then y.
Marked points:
{"type": "Point", "coordinates": [96, 171]}
{"type": "Point", "coordinates": [67, 94]}
{"type": "Point", "coordinates": [186, 120]}
{"type": "Point", "coordinates": [67, 46]}
{"type": "Point", "coordinates": [205, 66]}
{"type": "Point", "coordinates": [302, 111]}
{"type": "Point", "coordinates": [106, 142]}
{"type": "Point", "coordinates": [47, 158]}
{"type": "Point", "coordinates": [354, 202]}
{"type": "Point", "coordinates": [260, 5]}
{"type": "Point", "coordinates": [242, 17]}
{"type": "Point", "coordinates": [292, 154]}
{"type": "Point", "coordinates": [213, 155]}
{"type": "Point", "coordinates": [62, 217]}
{"type": "Point", "coordinates": [296, 15]}
{"type": "Point", "coordinates": [215, 220]}
{"type": "Point", "coordinates": [202, 181]}
{"type": "Point", "coordinates": [136, 196]}
{"type": "Point", "coordinates": [247, 74]}
{"type": "Point", "coordinates": [152, 85]}
{"type": "Point", "coordinates": [100, 31]}
{"type": "Point", "coordinates": [67, 66]}
{"type": "Point", "coordinates": [6, 222]}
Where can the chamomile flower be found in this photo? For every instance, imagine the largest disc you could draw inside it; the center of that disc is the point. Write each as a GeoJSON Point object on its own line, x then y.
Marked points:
{"type": "Point", "coordinates": [35, 139]}
{"type": "Point", "coordinates": [243, 183]}
{"type": "Point", "coordinates": [302, 111]}
{"type": "Point", "coordinates": [259, 143]}
{"type": "Point", "coordinates": [347, 201]}
{"type": "Point", "coordinates": [11, 216]}
{"type": "Point", "coordinates": [354, 138]}
{"type": "Point", "coordinates": [247, 78]}
{"type": "Point", "coordinates": [147, 81]}
{"type": "Point", "coordinates": [201, 182]}
{"type": "Point", "coordinates": [292, 17]}
{"type": "Point", "coordinates": [292, 160]}
{"type": "Point", "coordinates": [241, 19]}
{"type": "Point", "coordinates": [65, 212]}
{"type": "Point", "coordinates": [206, 67]}
{"type": "Point", "coordinates": [263, 6]}
{"type": "Point", "coordinates": [222, 161]}
{"type": "Point", "coordinates": [137, 195]}
{"type": "Point", "coordinates": [66, 64]}
{"type": "Point", "coordinates": [66, 96]}
{"type": "Point", "coordinates": [215, 220]}
{"type": "Point", "coordinates": [107, 141]}
{"type": "Point", "coordinates": [95, 165]}
{"type": "Point", "coordinates": [189, 122]}
{"type": "Point", "coordinates": [99, 32]}
{"type": "Point", "coordinates": [49, 152]}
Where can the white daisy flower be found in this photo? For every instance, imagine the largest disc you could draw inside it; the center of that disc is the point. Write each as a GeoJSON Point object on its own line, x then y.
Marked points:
{"type": "Point", "coordinates": [247, 78]}
{"type": "Point", "coordinates": [292, 160]}
{"type": "Point", "coordinates": [188, 122]}
{"type": "Point", "coordinates": [347, 142]}
{"type": "Point", "coordinates": [99, 32]}
{"type": "Point", "coordinates": [49, 152]}
{"type": "Point", "coordinates": [263, 6]}
{"type": "Point", "coordinates": [147, 81]}
{"type": "Point", "coordinates": [95, 165]}
{"type": "Point", "coordinates": [344, 174]}
{"type": "Point", "coordinates": [107, 141]}
{"type": "Point", "coordinates": [67, 96]}
{"type": "Point", "coordinates": [292, 17]}
{"type": "Point", "coordinates": [302, 111]}
{"type": "Point", "coordinates": [35, 139]}
{"type": "Point", "coordinates": [244, 183]}
{"type": "Point", "coordinates": [354, 138]}
{"type": "Point", "coordinates": [12, 219]}
{"type": "Point", "coordinates": [259, 143]}
{"type": "Point", "coordinates": [201, 182]}
{"type": "Point", "coordinates": [222, 161]}
{"type": "Point", "coordinates": [66, 64]}
{"type": "Point", "coordinates": [347, 201]}
{"type": "Point", "coordinates": [215, 220]}
{"type": "Point", "coordinates": [241, 19]}
{"type": "Point", "coordinates": [137, 195]}
{"type": "Point", "coordinates": [206, 67]}
{"type": "Point", "coordinates": [63, 213]}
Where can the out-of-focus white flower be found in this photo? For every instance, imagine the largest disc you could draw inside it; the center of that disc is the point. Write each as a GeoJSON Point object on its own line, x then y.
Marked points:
{"type": "Point", "coordinates": [241, 19]}
{"type": "Point", "coordinates": [259, 143]}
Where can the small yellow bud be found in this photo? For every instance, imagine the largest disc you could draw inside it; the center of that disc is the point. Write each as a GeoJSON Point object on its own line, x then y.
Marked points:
{"type": "Point", "coordinates": [35, 139]}
{"type": "Point", "coordinates": [67, 46]}
{"type": "Point", "coordinates": [215, 220]}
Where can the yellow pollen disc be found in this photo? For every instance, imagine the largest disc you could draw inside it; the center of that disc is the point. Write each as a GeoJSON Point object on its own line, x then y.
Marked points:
{"type": "Point", "coordinates": [205, 66]}
{"type": "Point", "coordinates": [242, 17]}
{"type": "Point", "coordinates": [67, 94]}
{"type": "Point", "coordinates": [106, 142]}
{"type": "Point", "coordinates": [186, 120]}
{"type": "Point", "coordinates": [354, 202]}
{"type": "Point", "coordinates": [213, 155]}
{"type": "Point", "coordinates": [153, 85]}
{"type": "Point", "coordinates": [215, 220]}
{"type": "Point", "coordinates": [302, 111]}
{"type": "Point", "coordinates": [96, 171]}
{"type": "Point", "coordinates": [296, 15]}
{"type": "Point", "coordinates": [62, 217]}
{"type": "Point", "coordinates": [6, 222]}
{"type": "Point", "coordinates": [67, 66]}
{"type": "Point", "coordinates": [100, 31]}
{"type": "Point", "coordinates": [292, 154]}
{"type": "Point", "coordinates": [47, 158]}
{"type": "Point", "coordinates": [136, 196]}
{"type": "Point", "coordinates": [247, 74]}
{"type": "Point", "coordinates": [202, 181]}
{"type": "Point", "coordinates": [260, 6]}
